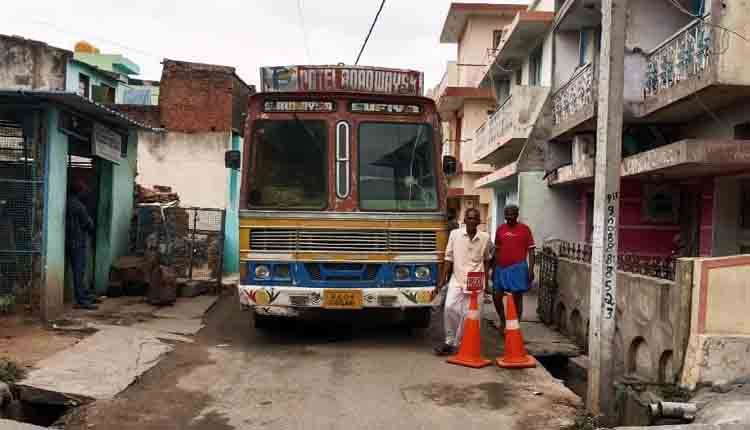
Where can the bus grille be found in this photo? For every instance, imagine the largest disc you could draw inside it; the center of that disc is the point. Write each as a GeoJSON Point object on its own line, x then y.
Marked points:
{"type": "Point", "coordinates": [343, 240]}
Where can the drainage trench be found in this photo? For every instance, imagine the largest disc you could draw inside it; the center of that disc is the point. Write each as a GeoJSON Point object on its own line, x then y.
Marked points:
{"type": "Point", "coordinates": [565, 369]}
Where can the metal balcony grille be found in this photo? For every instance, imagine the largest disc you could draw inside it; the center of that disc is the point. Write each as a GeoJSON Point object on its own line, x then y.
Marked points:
{"type": "Point", "coordinates": [343, 240]}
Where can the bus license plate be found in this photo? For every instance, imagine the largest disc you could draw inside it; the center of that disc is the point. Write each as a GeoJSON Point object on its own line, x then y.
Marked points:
{"type": "Point", "coordinates": [342, 299]}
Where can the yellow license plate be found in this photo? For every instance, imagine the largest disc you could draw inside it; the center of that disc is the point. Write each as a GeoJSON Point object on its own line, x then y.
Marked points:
{"type": "Point", "coordinates": [342, 299]}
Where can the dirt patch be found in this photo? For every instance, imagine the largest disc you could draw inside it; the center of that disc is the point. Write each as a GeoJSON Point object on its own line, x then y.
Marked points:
{"type": "Point", "coordinates": [490, 395]}
{"type": "Point", "coordinates": [26, 341]}
{"type": "Point", "coordinates": [154, 402]}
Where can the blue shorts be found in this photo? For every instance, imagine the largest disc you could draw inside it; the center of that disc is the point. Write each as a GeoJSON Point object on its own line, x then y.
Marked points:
{"type": "Point", "coordinates": [511, 279]}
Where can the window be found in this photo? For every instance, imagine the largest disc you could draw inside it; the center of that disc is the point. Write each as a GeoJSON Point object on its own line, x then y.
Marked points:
{"type": "Point", "coordinates": [288, 169]}
{"type": "Point", "coordinates": [535, 67]}
{"type": "Point", "coordinates": [342, 160]}
{"type": "Point", "coordinates": [396, 167]}
{"type": "Point", "coordinates": [583, 43]}
{"type": "Point", "coordinates": [83, 85]}
{"type": "Point", "coordinates": [497, 37]}
{"type": "Point", "coordinates": [103, 94]}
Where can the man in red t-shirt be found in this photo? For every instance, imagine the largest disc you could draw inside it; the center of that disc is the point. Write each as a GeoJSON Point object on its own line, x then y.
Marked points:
{"type": "Point", "coordinates": [514, 262]}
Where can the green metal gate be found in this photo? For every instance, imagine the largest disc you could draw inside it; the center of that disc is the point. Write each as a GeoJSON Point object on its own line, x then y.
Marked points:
{"type": "Point", "coordinates": [21, 186]}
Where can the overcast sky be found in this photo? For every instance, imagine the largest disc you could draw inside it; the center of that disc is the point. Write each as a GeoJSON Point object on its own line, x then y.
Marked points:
{"type": "Point", "coordinates": [245, 34]}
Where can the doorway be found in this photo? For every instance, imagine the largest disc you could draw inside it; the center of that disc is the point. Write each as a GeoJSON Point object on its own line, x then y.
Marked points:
{"type": "Point", "coordinates": [84, 171]}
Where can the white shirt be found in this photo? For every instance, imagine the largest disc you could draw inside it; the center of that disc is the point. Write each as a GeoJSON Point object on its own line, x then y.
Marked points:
{"type": "Point", "coordinates": [467, 255]}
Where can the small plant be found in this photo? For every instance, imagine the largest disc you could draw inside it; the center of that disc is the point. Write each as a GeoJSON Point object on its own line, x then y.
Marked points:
{"type": "Point", "coordinates": [583, 421]}
{"type": "Point", "coordinates": [10, 371]}
{"type": "Point", "coordinates": [6, 303]}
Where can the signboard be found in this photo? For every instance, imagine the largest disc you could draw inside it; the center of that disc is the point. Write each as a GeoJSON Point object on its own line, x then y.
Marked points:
{"type": "Point", "coordinates": [298, 106]}
{"type": "Point", "coordinates": [475, 281]}
{"type": "Point", "coordinates": [342, 78]}
{"type": "Point", "coordinates": [106, 144]}
{"type": "Point", "coordinates": [385, 108]}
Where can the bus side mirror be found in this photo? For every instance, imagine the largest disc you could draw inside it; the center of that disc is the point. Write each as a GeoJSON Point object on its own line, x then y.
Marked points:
{"type": "Point", "coordinates": [233, 159]}
{"type": "Point", "coordinates": [449, 165]}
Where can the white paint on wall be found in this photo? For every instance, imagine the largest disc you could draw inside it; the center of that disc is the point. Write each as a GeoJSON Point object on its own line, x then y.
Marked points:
{"type": "Point", "coordinates": [549, 212]}
{"type": "Point", "coordinates": [475, 114]}
{"type": "Point", "coordinates": [192, 164]}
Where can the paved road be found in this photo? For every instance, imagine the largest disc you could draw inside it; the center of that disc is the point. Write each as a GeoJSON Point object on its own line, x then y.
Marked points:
{"type": "Point", "coordinates": [304, 376]}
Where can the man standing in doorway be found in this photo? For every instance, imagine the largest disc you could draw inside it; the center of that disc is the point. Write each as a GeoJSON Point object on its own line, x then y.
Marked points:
{"type": "Point", "coordinates": [514, 245]}
{"type": "Point", "coordinates": [468, 250]}
{"type": "Point", "coordinates": [78, 225]}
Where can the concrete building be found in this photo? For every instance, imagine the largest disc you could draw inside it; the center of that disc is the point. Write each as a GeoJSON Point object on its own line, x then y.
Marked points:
{"type": "Point", "coordinates": [685, 167]}
{"type": "Point", "coordinates": [463, 105]}
{"type": "Point", "coordinates": [519, 71]}
{"type": "Point", "coordinates": [201, 114]}
{"type": "Point", "coordinates": [50, 136]}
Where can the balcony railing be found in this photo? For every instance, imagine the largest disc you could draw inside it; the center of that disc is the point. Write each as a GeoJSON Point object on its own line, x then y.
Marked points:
{"type": "Point", "coordinates": [574, 96]}
{"type": "Point", "coordinates": [496, 126]}
{"type": "Point", "coordinates": [684, 56]}
{"type": "Point", "coordinates": [648, 265]}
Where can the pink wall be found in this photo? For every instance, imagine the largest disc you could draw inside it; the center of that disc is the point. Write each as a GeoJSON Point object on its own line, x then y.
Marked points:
{"type": "Point", "coordinates": [639, 235]}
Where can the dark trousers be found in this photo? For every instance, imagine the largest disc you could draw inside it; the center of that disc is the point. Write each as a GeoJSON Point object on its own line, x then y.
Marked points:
{"type": "Point", "coordinates": [77, 259]}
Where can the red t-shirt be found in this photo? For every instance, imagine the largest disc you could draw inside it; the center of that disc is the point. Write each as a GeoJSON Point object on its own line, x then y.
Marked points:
{"type": "Point", "coordinates": [512, 244]}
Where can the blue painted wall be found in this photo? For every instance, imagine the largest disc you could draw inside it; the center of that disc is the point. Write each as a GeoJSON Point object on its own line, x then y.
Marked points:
{"type": "Point", "coordinates": [115, 212]}
{"type": "Point", "coordinates": [53, 248]}
{"type": "Point", "coordinates": [232, 240]}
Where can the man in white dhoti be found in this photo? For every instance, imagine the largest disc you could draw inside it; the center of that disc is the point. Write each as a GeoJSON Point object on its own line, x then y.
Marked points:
{"type": "Point", "coordinates": [468, 250]}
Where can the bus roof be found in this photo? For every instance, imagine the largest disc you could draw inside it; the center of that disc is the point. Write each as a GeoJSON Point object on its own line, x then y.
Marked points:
{"type": "Point", "coordinates": [342, 78]}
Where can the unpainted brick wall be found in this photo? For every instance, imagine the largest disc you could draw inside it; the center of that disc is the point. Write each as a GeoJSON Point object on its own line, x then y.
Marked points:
{"type": "Point", "coordinates": [145, 114]}
{"type": "Point", "coordinates": [196, 97]}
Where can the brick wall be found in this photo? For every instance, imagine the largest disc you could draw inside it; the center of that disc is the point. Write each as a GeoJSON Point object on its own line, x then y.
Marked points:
{"type": "Point", "coordinates": [196, 97]}
{"type": "Point", "coordinates": [145, 114]}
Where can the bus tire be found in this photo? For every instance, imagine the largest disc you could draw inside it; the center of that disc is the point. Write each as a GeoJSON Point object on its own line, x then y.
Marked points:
{"type": "Point", "coordinates": [418, 318]}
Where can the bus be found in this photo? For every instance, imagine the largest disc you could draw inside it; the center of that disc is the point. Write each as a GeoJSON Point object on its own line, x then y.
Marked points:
{"type": "Point", "coordinates": [343, 197]}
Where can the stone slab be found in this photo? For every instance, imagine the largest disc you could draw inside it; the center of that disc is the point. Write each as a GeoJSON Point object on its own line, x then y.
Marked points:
{"type": "Point", "coordinates": [97, 368]}
{"type": "Point", "coordinates": [187, 308]}
{"type": "Point", "coordinates": [15, 425]}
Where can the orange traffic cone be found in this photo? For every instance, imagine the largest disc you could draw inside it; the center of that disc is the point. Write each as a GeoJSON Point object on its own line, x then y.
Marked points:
{"type": "Point", "coordinates": [515, 356]}
{"type": "Point", "coordinates": [470, 352]}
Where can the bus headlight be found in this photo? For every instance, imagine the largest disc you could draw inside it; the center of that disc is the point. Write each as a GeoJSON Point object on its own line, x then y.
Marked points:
{"type": "Point", "coordinates": [262, 272]}
{"type": "Point", "coordinates": [422, 273]}
{"type": "Point", "coordinates": [402, 273]}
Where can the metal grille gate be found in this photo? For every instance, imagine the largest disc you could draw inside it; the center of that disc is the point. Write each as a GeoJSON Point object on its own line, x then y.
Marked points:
{"type": "Point", "coordinates": [21, 185]}
{"type": "Point", "coordinates": [198, 245]}
{"type": "Point", "coordinates": [547, 263]}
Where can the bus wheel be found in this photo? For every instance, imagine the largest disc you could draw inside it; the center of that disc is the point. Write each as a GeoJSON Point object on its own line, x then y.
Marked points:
{"type": "Point", "coordinates": [418, 317]}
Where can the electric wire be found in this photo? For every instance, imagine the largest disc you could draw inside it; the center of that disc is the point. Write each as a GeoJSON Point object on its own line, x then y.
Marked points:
{"type": "Point", "coordinates": [362, 49]}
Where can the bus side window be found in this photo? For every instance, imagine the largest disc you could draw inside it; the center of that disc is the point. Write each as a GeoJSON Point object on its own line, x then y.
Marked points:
{"type": "Point", "coordinates": [342, 159]}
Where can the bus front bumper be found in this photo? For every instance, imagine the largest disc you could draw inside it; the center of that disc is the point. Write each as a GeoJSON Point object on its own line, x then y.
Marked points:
{"type": "Point", "coordinates": [289, 297]}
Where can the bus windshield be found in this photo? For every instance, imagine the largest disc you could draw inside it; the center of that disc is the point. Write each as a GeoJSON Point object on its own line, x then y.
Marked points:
{"type": "Point", "coordinates": [396, 167]}
{"type": "Point", "coordinates": [289, 164]}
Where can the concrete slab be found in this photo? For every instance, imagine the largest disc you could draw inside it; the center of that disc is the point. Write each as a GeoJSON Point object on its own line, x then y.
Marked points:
{"type": "Point", "coordinates": [540, 340]}
{"type": "Point", "coordinates": [15, 425]}
{"type": "Point", "coordinates": [97, 368]}
{"type": "Point", "coordinates": [150, 331]}
{"type": "Point", "coordinates": [172, 325]}
{"type": "Point", "coordinates": [187, 308]}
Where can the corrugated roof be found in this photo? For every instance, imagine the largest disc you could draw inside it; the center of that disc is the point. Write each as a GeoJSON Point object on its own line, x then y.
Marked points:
{"type": "Point", "coordinates": [78, 103]}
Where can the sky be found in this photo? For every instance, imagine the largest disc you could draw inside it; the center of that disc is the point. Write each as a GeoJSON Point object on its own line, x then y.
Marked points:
{"type": "Point", "coordinates": [245, 34]}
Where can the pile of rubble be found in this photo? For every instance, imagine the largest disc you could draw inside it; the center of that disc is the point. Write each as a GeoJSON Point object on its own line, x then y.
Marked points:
{"type": "Point", "coordinates": [165, 243]}
{"type": "Point", "coordinates": [159, 194]}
